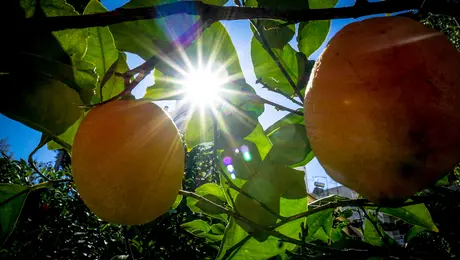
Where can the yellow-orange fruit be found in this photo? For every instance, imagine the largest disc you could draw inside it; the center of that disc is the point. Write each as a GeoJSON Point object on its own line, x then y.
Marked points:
{"type": "Point", "coordinates": [382, 108]}
{"type": "Point", "coordinates": [128, 161]}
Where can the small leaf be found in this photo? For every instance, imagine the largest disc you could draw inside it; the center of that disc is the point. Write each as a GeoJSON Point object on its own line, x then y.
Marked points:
{"type": "Point", "coordinates": [177, 201]}
{"type": "Point", "coordinates": [289, 119]}
{"type": "Point", "coordinates": [218, 229]}
{"type": "Point", "coordinates": [120, 257]}
{"type": "Point", "coordinates": [199, 129]}
{"type": "Point", "coordinates": [101, 46]}
{"type": "Point", "coordinates": [276, 34]}
{"type": "Point", "coordinates": [267, 70]}
{"type": "Point", "coordinates": [290, 144]}
{"type": "Point", "coordinates": [261, 140]}
{"type": "Point", "coordinates": [311, 36]}
{"type": "Point", "coordinates": [12, 198]}
{"type": "Point", "coordinates": [196, 227]}
{"type": "Point", "coordinates": [320, 225]}
{"type": "Point", "coordinates": [212, 192]}
{"type": "Point", "coordinates": [371, 235]}
{"type": "Point", "coordinates": [413, 232]}
{"type": "Point", "coordinates": [416, 214]}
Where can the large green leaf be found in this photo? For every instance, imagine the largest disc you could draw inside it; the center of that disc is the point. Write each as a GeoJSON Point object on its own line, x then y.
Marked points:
{"type": "Point", "coordinates": [199, 129]}
{"type": "Point", "coordinates": [46, 105]}
{"type": "Point", "coordinates": [371, 235]}
{"type": "Point", "coordinates": [261, 140]}
{"type": "Point", "coordinates": [212, 192]}
{"type": "Point", "coordinates": [312, 35]}
{"type": "Point", "coordinates": [320, 225]}
{"type": "Point", "coordinates": [101, 46]}
{"type": "Point", "coordinates": [289, 119]}
{"type": "Point", "coordinates": [48, 99]}
{"type": "Point", "coordinates": [268, 72]}
{"type": "Point", "coordinates": [290, 144]}
{"type": "Point", "coordinates": [416, 214]}
{"type": "Point", "coordinates": [267, 193]}
{"type": "Point", "coordinates": [275, 33]}
{"type": "Point", "coordinates": [144, 37]}
{"type": "Point", "coordinates": [12, 198]}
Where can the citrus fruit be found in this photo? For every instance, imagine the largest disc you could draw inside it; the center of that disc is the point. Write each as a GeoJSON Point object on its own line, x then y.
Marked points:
{"type": "Point", "coordinates": [128, 161]}
{"type": "Point", "coordinates": [382, 108]}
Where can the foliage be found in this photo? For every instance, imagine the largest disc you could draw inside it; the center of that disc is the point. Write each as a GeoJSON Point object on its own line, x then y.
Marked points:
{"type": "Point", "coordinates": [242, 197]}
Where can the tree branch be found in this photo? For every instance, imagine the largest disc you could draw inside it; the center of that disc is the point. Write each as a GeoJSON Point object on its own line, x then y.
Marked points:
{"type": "Point", "coordinates": [216, 13]}
{"type": "Point", "coordinates": [341, 203]}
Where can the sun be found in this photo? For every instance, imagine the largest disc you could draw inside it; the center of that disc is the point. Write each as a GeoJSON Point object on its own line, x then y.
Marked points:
{"type": "Point", "coordinates": [203, 87]}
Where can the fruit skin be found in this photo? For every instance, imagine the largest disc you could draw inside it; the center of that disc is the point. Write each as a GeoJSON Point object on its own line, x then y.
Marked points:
{"type": "Point", "coordinates": [128, 161]}
{"type": "Point", "coordinates": [382, 108]}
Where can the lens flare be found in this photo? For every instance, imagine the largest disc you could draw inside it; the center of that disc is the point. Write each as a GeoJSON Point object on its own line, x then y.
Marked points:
{"type": "Point", "coordinates": [230, 168]}
{"type": "Point", "coordinates": [203, 87]}
{"type": "Point", "coordinates": [247, 156]}
{"type": "Point", "coordinates": [227, 160]}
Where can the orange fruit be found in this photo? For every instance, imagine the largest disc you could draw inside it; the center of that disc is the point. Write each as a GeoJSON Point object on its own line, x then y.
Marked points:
{"type": "Point", "coordinates": [382, 108]}
{"type": "Point", "coordinates": [128, 161]}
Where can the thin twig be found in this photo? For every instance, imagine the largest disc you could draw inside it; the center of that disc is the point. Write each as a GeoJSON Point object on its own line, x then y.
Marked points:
{"type": "Point", "coordinates": [215, 13]}
{"type": "Point", "coordinates": [270, 52]}
{"type": "Point", "coordinates": [341, 203]}
{"type": "Point", "coordinates": [281, 107]}
{"type": "Point", "coordinates": [279, 92]}
{"type": "Point", "coordinates": [43, 141]}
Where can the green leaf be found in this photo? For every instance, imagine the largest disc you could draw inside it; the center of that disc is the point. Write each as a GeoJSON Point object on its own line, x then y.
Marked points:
{"type": "Point", "coordinates": [276, 33]}
{"type": "Point", "coordinates": [212, 192]}
{"type": "Point", "coordinates": [320, 225]}
{"type": "Point", "coordinates": [12, 198]}
{"type": "Point", "coordinates": [57, 79]}
{"type": "Point", "coordinates": [268, 72]}
{"type": "Point", "coordinates": [114, 84]}
{"type": "Point", "coordinates": [218, 229]}
{"type": "Point", "coordinates": [177, 201]}
{"type": "Point", "coordinates": [290, 144]}
{"type": "Point", "coordinates": [289, 119]}
{"type": "Point", "coordinates": [144, 37]}
{"type": "Point", "coordinates": [413, 232]}
{"type": "Point", "coordinates": [164, 88]}
{"type": "Point", "coordinates": [199, 129]}
{"type": "Point", "coordinates": [47, 105]}
{"type": "Point", "coordinates": [416, 214]}
{"type": "Point", "coordinates": [311, 36]}
{"type": "Point", "coordinates": [101, 46]}
{"type": "Point", "coordinates": [120, 257]}
{"type": "Point", "coordinates": [200, 228]}
{"type": "Point", "coordinates": [267, 193]}
{"type": "Point", "coordinates": [196, 226]}
{"type": "Point", "coordinates": [371, 235]}
{"type": "Point", "coordinates": [65, 140]}
{"type": "Point", "coordinates": [316, 4]}
{"type": "Point", "coordinates": [261, 140]}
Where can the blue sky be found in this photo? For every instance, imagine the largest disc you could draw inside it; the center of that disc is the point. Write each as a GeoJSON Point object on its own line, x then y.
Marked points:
{"type": "Point", "coordinates": [24, 139]}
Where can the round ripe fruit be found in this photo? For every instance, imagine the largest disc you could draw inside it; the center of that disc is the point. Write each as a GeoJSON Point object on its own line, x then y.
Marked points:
{"type": "Point", "coordinates": [382, 109]}
{"type": "Point", "coordinates": [128, 161]}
